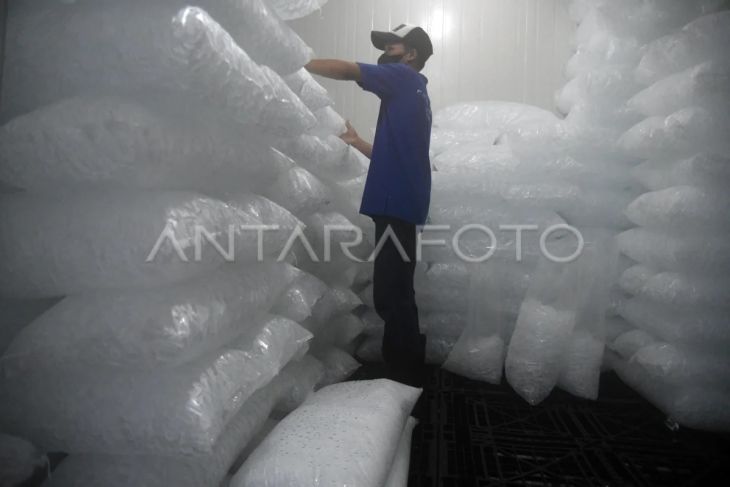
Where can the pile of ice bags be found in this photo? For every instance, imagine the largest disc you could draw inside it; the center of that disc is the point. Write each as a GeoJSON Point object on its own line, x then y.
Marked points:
{"type": "Point", "coordinates": [639, 166]}
{"type": "Point", "coordinates": [153, 319]}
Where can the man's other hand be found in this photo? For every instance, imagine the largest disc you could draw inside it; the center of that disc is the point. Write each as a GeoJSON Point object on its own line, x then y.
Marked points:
{"type": "Point", "coordinates": [350, 137]}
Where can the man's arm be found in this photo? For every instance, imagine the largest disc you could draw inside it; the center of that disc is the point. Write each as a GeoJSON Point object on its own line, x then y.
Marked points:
{"type": "Point", "coordinates": [352, 138]}
{"type": "Point", "coordinates": [334, 69]}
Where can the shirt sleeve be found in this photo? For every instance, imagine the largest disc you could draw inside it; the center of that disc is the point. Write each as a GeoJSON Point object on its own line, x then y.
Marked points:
{"type": "Point", "coordinates": [382, 79]}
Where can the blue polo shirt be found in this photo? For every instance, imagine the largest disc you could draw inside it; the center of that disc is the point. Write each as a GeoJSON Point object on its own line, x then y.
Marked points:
{"type": "Point", "coordinates": [399, 179]}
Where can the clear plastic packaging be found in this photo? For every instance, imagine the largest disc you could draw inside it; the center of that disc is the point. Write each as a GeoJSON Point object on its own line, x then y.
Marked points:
{"type": "Point", "coordinates": [703, 170]}
{"type": "Point", "coordinates": [63, 50]}
{"type": "Point", "coordinates": [700, 326]}
{"type": "Point", "coordinates": [682, 209]}
{"type": "Point", "coordinates": [101, 239]}
{"type": "Point", "coordinates": [149, 329]}
{"type": "Point", "coordinates": [311, 93]}
{"type": "Point", "coordinates": [703, 39]}
{"type": "Point", "coordinates": [681, 134]}
{"type": "Point", "coordinates": [686, 252]}
{"type": "Point", "coordinates": [180, 411]}
{"type": "Point", "coordinates": [338, 365]}
{"type": "Point", "coordinates": [300, 192]}
{"type": "Point", "coordinates": [202, 471]}
{"type": "Point", "coordinates": [309, 372]}
{"type": "Point", "coordinates": [705, 85]}
{"type": "Point", "coordinates": [118, 142]}
{"type": "Point", "coordinates": [295, 9]}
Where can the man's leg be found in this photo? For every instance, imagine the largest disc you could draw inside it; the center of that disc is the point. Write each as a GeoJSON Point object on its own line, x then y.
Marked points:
{"type": "Point", "coordinates": [403, 345]}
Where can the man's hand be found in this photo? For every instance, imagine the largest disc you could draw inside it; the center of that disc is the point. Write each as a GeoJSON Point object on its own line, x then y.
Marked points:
{"type": "Point", "coordinates": [350, 137]}
{"type": "Point", "coordinates": [334, 69]}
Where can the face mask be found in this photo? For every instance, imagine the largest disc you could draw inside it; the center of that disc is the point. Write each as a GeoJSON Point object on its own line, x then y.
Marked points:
{"type": "Point", "coordinates": [386, 59]}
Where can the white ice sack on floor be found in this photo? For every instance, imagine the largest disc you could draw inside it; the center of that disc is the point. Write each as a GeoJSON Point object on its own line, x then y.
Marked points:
{"type": "Point", "coordinates": [180, 411]}
{"type": "Point", "coordinates": [345, 434]}
{"type": "Point", "coordinates": [149, 329]}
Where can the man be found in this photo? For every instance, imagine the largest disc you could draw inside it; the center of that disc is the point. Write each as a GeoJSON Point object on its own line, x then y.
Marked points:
{"type": "Point", "coordinates": [398, 187]}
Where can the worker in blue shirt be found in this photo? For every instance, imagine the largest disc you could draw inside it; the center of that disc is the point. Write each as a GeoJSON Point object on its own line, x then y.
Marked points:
{"type": "Point", "coordinates": [398, 187]}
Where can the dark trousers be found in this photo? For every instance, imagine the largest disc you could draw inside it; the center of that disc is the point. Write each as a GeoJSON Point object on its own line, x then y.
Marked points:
{"type": "Point", "coordinates": [395, 302]}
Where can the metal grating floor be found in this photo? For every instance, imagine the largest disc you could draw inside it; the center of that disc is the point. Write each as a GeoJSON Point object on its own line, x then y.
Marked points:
{"type": "Point", "coordinates": [474, 435]}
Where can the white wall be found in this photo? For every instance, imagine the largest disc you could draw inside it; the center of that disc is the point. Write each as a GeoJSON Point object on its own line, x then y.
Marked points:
{"type": "Point", "coordinates": [484, 49]}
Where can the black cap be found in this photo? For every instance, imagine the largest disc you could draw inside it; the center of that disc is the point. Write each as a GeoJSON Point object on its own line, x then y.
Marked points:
{"type": "Point", "coordinates": [409, 34]}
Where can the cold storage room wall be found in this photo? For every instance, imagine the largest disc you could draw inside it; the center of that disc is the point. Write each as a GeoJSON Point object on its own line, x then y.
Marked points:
{"type": "Point", "coordinates": [512, 50]}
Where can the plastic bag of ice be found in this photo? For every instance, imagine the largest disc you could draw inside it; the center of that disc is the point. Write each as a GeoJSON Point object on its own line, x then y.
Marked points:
{"type": "Point", "coordinates": [340, 331]}
{"type": "Point", "coordinates": [581, 369]}
{"type": "Point", "coordinates": [682, 209]}
{"type": "Point", "coordinates": [606, 87]}
{"type": "Point", "coordinates": [601, 50]}
{"type": "Point", "coordinates": [311, 93]}
{"type": "Point", "coordinates": [115, 141]}
{"type": "Point", "coordinates": [298, 300]}
{"type": "Point", "coordinates": [687, 289]}
{"type": "Point", "coordinates": [345, 434]}
{"type": "Point", "coordinates": [295, 9]}
{"type": "Point", "coordinates": [681, 365]}
{"type": "Point", "coordinates": [632, 280]}
{"type": "Point", "coordinates": [701, 40]}
{"type": "Point", "coordinates": [701, 326]}
{"type": "Point", "coordinates": [644, 19]}
{"type": "Point", "coordinates": [693, 406]}
{"type": "Point", "coordinates": [682, 251]}
{"type": "Point", "coordinates": [630, 342]}
{"type": "Point", "coordinates": [703, 170]}
{"type": "Point", "coordinates": [548, 315]}
{"type": "Point", "coordinates": [300, 192]}
{"type": "Point", "coordinates": [438, 349]}
{"type": "Point", "coordinates": [681, 134]}
{"type": "Point", "coordinates": [338, 365]}
{"type": "Point", "coordinates": [115, 239]}
{"type": "Point", "coordinates": [109, 47]}
{"type": "Point", "coordinates": [329, 158]}
{"type": "Point", "coordinates": [310, 372]}
{"type": "Point", "coordinates": [329, 122]}
{"type": "Point", "coordinates": [201, 471]}
{"type": "Point", "coordinates": [496, 290]}
{"type": "Point", "coordinates": [505, 117]}
{"type": "Point", "coordinates": [705, 85]}
{"type": "Point", "coordinates": [536, 350]}
{"type": "Point", "coordinates": [149, 329]}
{"type": "Point", "coordinates": [19, 461]}
{"type": "Point", "coordinates": [180, 411]}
